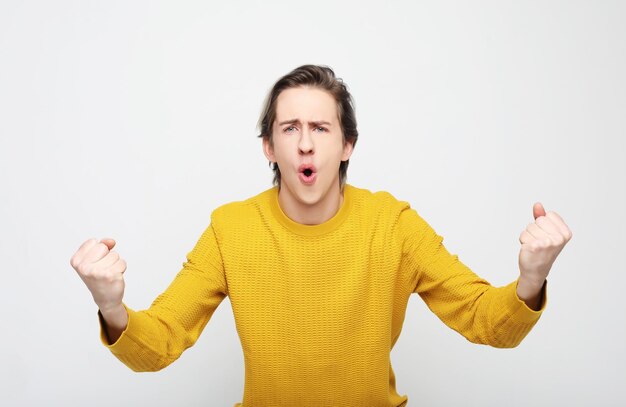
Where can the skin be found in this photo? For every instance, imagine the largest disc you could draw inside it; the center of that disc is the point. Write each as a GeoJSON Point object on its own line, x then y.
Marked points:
{"type": "Point", "coordinates": [313, 135]}
{"type": "Point", "coordinates": [541, 241]}
{"type": "Point", "coordinates": [102, 270]}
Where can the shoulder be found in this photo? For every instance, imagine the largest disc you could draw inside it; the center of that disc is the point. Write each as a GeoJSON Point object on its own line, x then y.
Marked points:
{"type": "Point", "coordinates": [241, 212]}
{"type": "Point", "coordinates": [378, 202]}
{"type": "Point", "coordinates": [385, 208]}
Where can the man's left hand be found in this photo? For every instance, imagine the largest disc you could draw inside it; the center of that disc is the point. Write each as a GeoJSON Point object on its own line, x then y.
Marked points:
{"type": "Point", "coordinates": [542, 241]}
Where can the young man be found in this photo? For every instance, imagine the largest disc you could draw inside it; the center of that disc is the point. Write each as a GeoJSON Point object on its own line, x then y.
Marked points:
{"type": "Point", "coordinates": [318, 272]}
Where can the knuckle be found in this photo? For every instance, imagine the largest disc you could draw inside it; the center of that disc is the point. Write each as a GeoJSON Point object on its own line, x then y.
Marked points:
{"type": "Point", "coordinates": [99, 249]}
{"type": "Point", "coordinates": [90, 242]}
{"type": "Point", "coordinates": [554, 217]}
{"type": "Point", "coordinates": [84, 270]}
{"type": "Point", "coordinates": [100, 275]}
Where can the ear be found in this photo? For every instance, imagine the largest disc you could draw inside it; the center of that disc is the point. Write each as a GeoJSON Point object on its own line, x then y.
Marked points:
{"type": "Point", "coordinates": [348, 146]}
{"type": "Point", "coordinates": [268, 149]}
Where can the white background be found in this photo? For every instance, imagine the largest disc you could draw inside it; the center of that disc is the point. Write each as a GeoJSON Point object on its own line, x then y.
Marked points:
{"type": "Point", "coordinates": [135, 120]}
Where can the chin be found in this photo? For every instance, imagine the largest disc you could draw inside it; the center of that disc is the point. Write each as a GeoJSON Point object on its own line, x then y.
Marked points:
{"type": "Point", "coordinates": [310, 198]}
{"type": "Point", "coordinates": [306, 195]}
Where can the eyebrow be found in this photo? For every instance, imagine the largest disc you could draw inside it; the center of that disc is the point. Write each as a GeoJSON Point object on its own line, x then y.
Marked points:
{"type": "Point", "coordinates": [315, 123]}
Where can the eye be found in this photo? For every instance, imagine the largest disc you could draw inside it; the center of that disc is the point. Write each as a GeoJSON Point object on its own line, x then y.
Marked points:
{"type": "Point", "coordinates": [323, 129]}
{"type": "Point", "coordinates": [289, 129]}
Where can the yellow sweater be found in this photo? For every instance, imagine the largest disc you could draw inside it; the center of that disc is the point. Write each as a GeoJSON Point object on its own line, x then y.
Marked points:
{"type": "Point", "coordinates": [319, 308]}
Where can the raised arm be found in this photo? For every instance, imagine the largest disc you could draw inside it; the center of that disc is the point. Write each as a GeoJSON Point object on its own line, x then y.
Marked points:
{"type": "Point", "coordinates": [154, 338]}
{"type": "Point", "coordinates": [465, 302]}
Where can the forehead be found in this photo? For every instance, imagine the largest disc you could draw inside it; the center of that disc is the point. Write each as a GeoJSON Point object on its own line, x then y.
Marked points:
{"type": "Point", "coordinates": [306, 104]}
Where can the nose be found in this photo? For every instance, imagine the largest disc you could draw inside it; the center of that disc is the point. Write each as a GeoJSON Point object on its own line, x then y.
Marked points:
{"type": "Point", "coordinates": [305, 144]}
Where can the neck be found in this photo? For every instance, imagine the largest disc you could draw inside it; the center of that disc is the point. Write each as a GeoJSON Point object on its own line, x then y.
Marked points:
{"type": "Point", "coordinates": [310, 214]}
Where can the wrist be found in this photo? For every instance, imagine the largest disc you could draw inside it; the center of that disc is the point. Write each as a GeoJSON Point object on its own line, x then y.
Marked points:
{"type": "Point", "coordinates": [115, 316]}
{"type": "Point", "coordinates": [530, 291]}
{"type": "Point", "coordinates": [529, 287]}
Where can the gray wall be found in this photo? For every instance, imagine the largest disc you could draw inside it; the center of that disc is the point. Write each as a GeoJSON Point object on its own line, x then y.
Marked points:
{"type": "Point", "coordinates": [135, 120]}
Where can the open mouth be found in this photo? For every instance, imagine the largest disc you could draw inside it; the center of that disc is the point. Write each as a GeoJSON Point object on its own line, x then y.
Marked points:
{"type": "Point", "coordinates": [307, 174]}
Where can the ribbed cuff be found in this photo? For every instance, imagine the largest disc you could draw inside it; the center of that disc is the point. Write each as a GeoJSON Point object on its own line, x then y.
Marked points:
{"type": "Point", "coordinates": [128, 348]}
{"type": "Point", "coordinates": [518, 309]}
{"type": "Point", "coordinates": [123, 337]}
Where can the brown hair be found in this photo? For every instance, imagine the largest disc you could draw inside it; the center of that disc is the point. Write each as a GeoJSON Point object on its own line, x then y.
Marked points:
{"type": "Point", "coordinates": [317, 76]}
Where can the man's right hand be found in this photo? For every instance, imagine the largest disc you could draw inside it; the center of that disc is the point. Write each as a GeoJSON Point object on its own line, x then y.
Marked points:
{"type": "Point", "coordinates": [101, 269]}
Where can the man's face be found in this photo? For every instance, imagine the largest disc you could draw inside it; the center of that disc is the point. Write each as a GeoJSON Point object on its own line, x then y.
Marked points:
{"type": "Point", "coordinates": [307, 144]}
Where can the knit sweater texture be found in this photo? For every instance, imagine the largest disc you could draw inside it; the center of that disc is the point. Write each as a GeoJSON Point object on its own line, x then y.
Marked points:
{"type": "Point", "coordinates": [318, 308]}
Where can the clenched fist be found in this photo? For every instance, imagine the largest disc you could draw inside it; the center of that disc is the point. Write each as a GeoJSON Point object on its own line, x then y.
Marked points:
{"type": "Point", "coordinates": [541, 241]}
{"type": "Point", "coordinates": [101, 269]}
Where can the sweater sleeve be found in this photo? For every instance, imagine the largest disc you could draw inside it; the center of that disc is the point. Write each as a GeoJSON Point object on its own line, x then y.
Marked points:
{"type": "Point", "coordinates": [156, 337]}
{"type": "Point", "coordinates": [465, 302]}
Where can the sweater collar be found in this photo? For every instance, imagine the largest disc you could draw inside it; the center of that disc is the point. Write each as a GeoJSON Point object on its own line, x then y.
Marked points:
{"type": "Point", "coordinates": [312, 230]}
